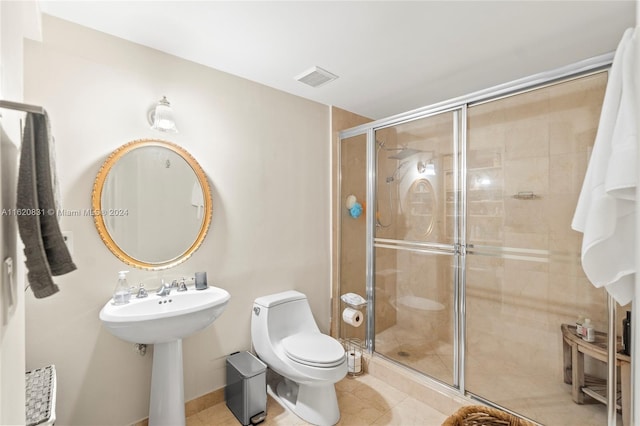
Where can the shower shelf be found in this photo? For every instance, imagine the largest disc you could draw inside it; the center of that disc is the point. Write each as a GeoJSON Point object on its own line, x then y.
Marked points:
{"type": "Point", "coordinates": [526, 195]}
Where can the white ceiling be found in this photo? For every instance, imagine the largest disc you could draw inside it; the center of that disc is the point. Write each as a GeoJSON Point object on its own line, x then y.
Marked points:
{"type": "Point", "coordinates": [390, 56]}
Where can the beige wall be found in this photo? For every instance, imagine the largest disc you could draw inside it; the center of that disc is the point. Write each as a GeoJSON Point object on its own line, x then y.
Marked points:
{"type": "Point", "coordinates": [18, 20]}
{"type": "Point", "coordinates": [267, 155]}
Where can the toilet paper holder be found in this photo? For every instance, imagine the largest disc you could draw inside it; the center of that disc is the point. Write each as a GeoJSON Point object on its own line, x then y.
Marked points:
{"type": "Point", "coordinates": [354, 301]}
{"type": "Point", "coordinates": [353, 350]}
{"type": "Point", "coordinates": [353, 346]}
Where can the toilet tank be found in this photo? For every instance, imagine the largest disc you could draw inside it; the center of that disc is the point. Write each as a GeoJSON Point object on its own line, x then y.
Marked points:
{"type": "Point", "coordinates": [285, 314]}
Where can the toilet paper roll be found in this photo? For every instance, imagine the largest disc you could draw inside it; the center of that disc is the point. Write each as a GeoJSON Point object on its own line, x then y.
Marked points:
{"type": "Point", "coordinates": [354, 362]}
{"type": "Point", "coordinates": [352, 317]}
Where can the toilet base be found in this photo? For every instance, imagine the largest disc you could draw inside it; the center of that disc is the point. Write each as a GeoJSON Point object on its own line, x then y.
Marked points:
{"type": "Point", "coordinates": [314, 404]}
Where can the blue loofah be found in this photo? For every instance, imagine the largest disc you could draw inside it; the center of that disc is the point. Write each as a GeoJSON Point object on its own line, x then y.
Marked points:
{"type": "Point", "coordinates": [356, 210]}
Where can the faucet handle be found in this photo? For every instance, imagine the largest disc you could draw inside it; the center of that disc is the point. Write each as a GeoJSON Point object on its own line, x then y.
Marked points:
{"type": "Point", "coordinates": [142, 292]}
{"type": "Point", "coordinates": [182, 286]}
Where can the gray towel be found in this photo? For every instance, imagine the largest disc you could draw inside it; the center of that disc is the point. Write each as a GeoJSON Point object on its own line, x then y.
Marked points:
{"type": "Point", "coordinates": [44, 247]}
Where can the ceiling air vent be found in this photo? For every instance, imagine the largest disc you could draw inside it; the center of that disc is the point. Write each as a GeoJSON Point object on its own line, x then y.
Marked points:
{"type": "Point", "coordinates": [316, 77]}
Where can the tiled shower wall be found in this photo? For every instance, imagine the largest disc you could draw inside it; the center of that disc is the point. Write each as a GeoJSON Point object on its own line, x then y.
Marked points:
{"type": "Point", "coordinates": [527, 156]}
{"type": "Point", "coordinates": [418, 211]}
{"type": "Point", "coordinates": [353, 230]}
{"type": "Point", "coordinates": [348, 177]}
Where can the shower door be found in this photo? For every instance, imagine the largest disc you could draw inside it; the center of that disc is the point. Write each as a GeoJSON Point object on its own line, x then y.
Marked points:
{"type": "Point", "coordinates": [416, 201]}
{"type": "Point", "coordinates": [467, 253]}
{"type": "Point", "coordinates": [526, 159]}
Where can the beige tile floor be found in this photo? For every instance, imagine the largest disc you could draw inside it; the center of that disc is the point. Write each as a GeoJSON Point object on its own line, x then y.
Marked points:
{"type": "Point", "coordinates": [539, 395]}
{"type": "Point", "coordinates": [363, 400]}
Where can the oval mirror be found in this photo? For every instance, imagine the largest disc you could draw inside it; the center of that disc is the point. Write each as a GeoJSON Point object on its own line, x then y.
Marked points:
{"type": "Point", "coordinates": [152, 204]}
{"type": "Point", "coordinates": [422, 208]}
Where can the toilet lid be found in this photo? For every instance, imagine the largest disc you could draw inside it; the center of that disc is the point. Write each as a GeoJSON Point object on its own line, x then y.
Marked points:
{"type": "Point", "coordinates": [314, 349]}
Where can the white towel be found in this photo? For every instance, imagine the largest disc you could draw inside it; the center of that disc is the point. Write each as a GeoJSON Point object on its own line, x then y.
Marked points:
{"type": "Point", "coordinates": [606, 208]}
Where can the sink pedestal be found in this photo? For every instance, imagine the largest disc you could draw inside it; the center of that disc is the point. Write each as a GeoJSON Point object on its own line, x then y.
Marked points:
{"type": "Point", "coordinates": [166, 405]}
{"type": "Point", "coordinates": [163, 321]}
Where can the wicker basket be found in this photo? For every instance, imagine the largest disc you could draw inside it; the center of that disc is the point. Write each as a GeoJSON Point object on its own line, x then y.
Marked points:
{"type": "Point", "coordinates": [479, 415]}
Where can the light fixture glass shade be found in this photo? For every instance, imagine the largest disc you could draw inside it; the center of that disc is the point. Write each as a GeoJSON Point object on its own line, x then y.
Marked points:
{"type": "Point", "coordinates": [430, 169]}
{"type": "Point", "coordinates": [161, 117]}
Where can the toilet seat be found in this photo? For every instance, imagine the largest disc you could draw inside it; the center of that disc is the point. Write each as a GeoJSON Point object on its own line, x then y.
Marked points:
{"type": "Point", "coordinates": [314, 349]}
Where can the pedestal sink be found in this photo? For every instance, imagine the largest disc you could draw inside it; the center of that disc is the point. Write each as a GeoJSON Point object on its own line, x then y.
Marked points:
{"type": "Point", "coordinates": [164, 321]}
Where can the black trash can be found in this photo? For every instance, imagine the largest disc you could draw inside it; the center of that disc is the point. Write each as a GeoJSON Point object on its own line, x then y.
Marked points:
{"type": "Point", "coordinates": [246, 390]}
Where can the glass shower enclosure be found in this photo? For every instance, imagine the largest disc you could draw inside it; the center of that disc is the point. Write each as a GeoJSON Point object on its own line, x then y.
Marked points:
{"type": "Point", "coordinates": [415, 243]}
{"type": "Point", "coordinates": [465, 250]}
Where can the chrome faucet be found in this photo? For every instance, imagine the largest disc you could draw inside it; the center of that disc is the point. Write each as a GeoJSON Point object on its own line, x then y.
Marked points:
{"type": "Point", "coordinates": [165, 288]}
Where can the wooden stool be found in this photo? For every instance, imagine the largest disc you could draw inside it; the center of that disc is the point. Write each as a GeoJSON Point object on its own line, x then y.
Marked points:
{"type": "Point", "coordinates": [574, 349]}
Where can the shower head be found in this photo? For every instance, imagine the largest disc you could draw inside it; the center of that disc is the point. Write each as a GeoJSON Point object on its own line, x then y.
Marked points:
{"type": "Point", "coordinates": [404, 153]}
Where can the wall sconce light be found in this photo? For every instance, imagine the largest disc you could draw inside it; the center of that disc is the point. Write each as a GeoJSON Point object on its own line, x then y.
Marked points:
{"type": "Point", "coordinates": [161, 117]}
{"type": "Point", "coordinates": [428, 169]}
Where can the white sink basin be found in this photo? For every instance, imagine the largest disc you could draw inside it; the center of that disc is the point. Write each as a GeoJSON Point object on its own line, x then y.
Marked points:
{"type": "Point", "coordinates": [164, 321]}
{"type": "Point", "coordinates": [160, 319]}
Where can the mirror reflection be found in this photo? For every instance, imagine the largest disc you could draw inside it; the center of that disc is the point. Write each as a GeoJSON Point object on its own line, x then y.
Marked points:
{"type": "Point", "coordinates": [421, 209]}
{"type": "Point", "coordinates": [154, 203]}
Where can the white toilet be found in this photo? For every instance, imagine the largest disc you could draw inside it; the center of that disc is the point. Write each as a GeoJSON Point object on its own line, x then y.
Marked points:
{"type": "Point", "coordinates": [285, 336]}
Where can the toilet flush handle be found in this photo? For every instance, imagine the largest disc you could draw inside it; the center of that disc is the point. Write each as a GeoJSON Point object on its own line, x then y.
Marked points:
{"type": "Point", "coordinates": [256, 310]}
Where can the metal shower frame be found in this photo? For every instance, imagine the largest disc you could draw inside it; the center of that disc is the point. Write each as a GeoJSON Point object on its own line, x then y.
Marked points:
{"type": "Point", "coordinates": [458, 106]}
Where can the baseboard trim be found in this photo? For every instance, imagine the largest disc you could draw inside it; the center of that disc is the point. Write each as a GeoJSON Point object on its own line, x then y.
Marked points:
{"type": "Point", "coordinates": [195, 405]}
